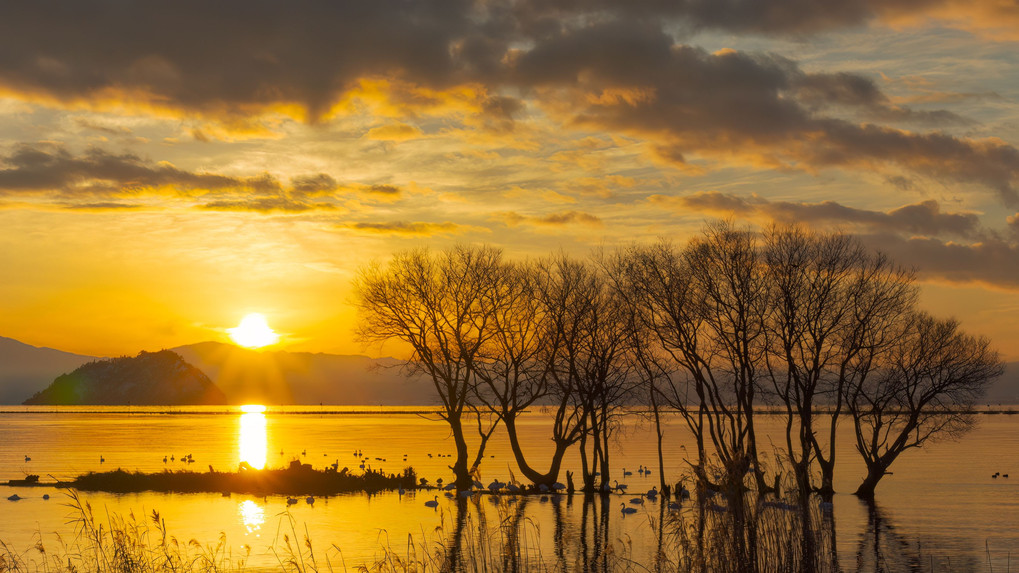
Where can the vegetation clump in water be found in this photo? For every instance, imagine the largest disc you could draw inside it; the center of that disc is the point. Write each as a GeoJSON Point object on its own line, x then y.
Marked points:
{"type": "Point", "coordinates": [296, 479]}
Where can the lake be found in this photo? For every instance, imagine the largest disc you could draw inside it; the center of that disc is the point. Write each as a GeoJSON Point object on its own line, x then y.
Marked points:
{"type": "Point", "coordinates": [941, 506]}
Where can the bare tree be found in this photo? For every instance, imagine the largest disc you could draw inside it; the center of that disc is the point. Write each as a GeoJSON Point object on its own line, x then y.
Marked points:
{"type": "Point", "coordinates": [924, 390]}
{"type": "Point", "coordinates": [832, 302]}
{"type": "Point", "coordinates": [516, 367]}
{"type": "Point", "coordinates": [436, 305]}
{"type": "Point", "coordinates": [589, 373]}
{"type": "Point", "coordinates": [658, 282]}
{"type": "Point", "coordinates": [727, 271]}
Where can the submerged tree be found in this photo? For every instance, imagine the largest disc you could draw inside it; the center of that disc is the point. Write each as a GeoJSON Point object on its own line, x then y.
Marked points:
{"type": "Point", "coordinates": [435, 303]}
{"type": "Point", "coordinates": [728, 275]}
{"type": "Point", "coordinates": [924, 390]}
{"type": "Point", "coordinates": [517, 366]}
{"type": "Point", "coordinates": [588, 370]}
{"type": "Point", "coordinates": [832, 304]}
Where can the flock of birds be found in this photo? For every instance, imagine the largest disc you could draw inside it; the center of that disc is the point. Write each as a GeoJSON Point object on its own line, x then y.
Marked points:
{"type": "Point", "coordinates": [495, 487]}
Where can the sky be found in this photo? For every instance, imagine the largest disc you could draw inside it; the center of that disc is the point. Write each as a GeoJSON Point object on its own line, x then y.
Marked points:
{"type": "Point", "coordinates": [167, 167]}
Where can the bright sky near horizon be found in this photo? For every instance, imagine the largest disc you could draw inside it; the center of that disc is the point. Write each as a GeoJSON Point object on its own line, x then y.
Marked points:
{"type": "Point", "coordinates": [169, 167]}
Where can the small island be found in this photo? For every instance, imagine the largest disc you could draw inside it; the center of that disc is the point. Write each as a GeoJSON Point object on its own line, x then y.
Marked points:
{"type": "Point", "coordinates": [296, 479]}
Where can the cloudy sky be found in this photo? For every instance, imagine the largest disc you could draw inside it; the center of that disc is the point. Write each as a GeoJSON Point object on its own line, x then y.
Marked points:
{"type": "Point", "coordinates": [169, 166]}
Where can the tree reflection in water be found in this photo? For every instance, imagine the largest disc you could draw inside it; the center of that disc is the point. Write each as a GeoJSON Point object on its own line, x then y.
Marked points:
{"type": "Point", "coordinates": [501, 533]}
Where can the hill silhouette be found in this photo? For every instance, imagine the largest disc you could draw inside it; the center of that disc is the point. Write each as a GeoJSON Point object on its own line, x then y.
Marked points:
{"type": "Point", "coordinates": [151, 378]}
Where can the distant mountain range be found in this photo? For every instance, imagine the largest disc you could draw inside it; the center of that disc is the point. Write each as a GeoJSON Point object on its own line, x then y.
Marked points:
{"type": "Point", "coordinates": [245, 376]}
{"type": "Point", "coordinates": [25, 370]}
{"type": "Point", "coordinates": [281, 377]}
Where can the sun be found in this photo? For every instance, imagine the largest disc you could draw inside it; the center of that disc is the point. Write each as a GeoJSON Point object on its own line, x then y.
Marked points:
{"type": "Point", "coordinates": [253, 332]}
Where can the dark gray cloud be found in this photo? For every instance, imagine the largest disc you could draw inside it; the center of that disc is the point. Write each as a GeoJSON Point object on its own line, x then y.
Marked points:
{"type": "Point", "coordinates": [406, 228]}
{"type": "Point", "coordinates": [318, 184]}
{"type": "Point", "coordinates": [560, 219]}
{"type": "Point", "coordinates": [46, 168]}
{"type": "Point", "coordinates": [924, 218]}
{"type": "Point", "coordinates": [92, 179]}
{"type": "Point", "coordinates": [384, 189]}
{"type": "Point", "coordinates": [280, 204]}
{"type": "Point", "coordinates": [102, 206]}
{"type": "Point", "coordinates": [913, 235]}
{"type": "Point", "coordinates": [991, 261]}
{"type": "Point", "coordinates": [212, 55]}
{"type": "Point", "coordinates": [820, 92]}
{"type": "Point", "coordinates": [761, 108]}
{"type": "Point", "coordinates": [606, 63]}
{"type": "Point", "coordinates": [774, 17]}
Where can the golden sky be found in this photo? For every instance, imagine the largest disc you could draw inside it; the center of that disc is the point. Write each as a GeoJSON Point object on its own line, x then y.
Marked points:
{"type": "Point", "coordinates": [167, 167]}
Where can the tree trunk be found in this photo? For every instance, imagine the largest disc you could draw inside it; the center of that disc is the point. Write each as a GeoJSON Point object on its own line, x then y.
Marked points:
{"type": "Point", "coordinates": [528, 472]}
{"type": "Point", "coordinates": [460, 471]}
{"type": "Point", "coordinates": [827, 490]}
{"type": "Point", "coordinates": [659, 433]}
{"type": "Point", "coordinates": [875, 471]}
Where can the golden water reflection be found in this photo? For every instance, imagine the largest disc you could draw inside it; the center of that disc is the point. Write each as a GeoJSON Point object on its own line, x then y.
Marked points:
{"type": "Point", "coordinates": [252, 515]}
{"type": "Point", "coordinates": [253, 436]}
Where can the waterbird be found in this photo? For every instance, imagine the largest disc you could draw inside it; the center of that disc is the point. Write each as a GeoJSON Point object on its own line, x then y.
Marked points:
{"type": "Point", "coordinates": [640, 470]}
{"type": "Point", "coordinates": [653, 492]}
{"type": "Point", "coordinates": [164, 459]}
{"type": "Point", "coordinates": [620, 486]}
{"type": "Point", "coordinates": [14, 497]}
{"type": "Point", "coordinates": [310, 500]}
{"type": "Point", "coordinates": [45, 496]}
{"type": "Point", "coordinates": [674, 506]}
{"type": "Point", "coordinates": [101, 459]}
{"type": "Point", "coordinates": [637, 501]}
{"type": "Point", "coordinates": [291, 500]}
{"type": "Point", "coordinates": [626, 473]}
{"type": "Point", "coordinates": [627, 510]}
{"type": "Point", "coordinates": [28, 459]}
{"type": "Point", "coordinates": [433, 503]}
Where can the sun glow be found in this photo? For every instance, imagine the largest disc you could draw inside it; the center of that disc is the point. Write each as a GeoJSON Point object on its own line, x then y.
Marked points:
{"type": "Point", "coordinates": [253, 437]}
{"type": "Point", "coordinates": [253, 332]}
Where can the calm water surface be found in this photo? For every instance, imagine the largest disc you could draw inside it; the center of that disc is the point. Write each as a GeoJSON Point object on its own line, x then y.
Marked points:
{"type": "Point", "coordinates": [941, 502]}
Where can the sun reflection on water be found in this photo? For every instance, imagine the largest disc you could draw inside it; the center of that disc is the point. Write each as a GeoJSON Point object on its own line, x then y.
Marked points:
{"type": "Point", "coordinates": [253, 436]}
{"type": "Point", "coordinates": [252, 515]}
